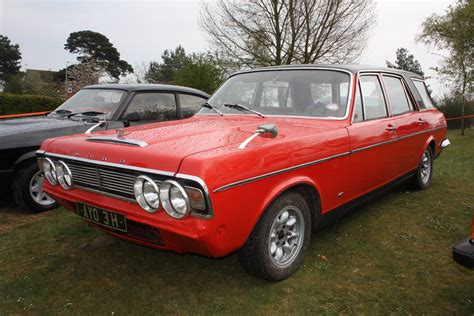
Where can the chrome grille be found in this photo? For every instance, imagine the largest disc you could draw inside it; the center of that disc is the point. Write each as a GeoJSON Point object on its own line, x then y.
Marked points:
{"type": "Point", "coordinates": [103, 179]}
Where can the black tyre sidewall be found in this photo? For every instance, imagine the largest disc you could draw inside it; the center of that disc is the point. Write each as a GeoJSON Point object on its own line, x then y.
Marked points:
{"type": "Point", "coordinates": [257, 243]}
{"type": "Point", "coordinates": [21, 188]}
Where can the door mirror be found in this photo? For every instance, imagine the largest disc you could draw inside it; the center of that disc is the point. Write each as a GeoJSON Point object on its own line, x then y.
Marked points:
{"type": "Point", "coordinates": [132, 117]}
{"type": "Point", "coordinates": [268, 130]}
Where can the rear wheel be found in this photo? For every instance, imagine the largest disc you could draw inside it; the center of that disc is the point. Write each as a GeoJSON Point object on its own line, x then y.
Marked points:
{"type": "Point", "coordinates": [424, 174]}
{"type": "Point", "coordinates": [27, 188]}
{"type": "Point", "coordinates": [277, 245]}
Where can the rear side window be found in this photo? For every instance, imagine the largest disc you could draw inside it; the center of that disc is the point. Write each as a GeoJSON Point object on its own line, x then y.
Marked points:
{"type": "Point", "coordinates": [190, 104]}
{"type": "Point", "coordinates": [399, 101]}
{"type": "Point", "coordinates": [152, 107]}
{"type": "Point", "coordinates": [421, 88]}
{"type": "Point", "coordinates": [372, 96]}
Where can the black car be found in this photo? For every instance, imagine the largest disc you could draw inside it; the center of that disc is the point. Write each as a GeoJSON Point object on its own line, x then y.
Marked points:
{"type": "Point", "coordinates": [92, 108]}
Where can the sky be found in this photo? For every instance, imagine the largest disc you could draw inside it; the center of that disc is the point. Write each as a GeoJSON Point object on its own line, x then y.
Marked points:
{"type": "Point", "coordinates": [142, 30]}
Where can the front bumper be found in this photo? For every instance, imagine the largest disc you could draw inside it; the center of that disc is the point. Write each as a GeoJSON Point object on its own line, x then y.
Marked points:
{"type": "Point", "coordinates": [463, 253]}
{"type": "Point", "coordinates": [157, 230]}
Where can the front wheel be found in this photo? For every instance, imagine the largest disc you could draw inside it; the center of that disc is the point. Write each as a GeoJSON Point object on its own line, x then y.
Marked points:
{"type": "Point", "coordinates": [280, 239]}
{"type": "Point", "coordinates": [424, 174]}
{"type": "Point", "coordinates": [27, 188]}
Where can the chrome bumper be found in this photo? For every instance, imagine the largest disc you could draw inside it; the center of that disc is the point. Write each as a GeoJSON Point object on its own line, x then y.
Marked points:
{"type": "Point", "coordinates": [445, 143]}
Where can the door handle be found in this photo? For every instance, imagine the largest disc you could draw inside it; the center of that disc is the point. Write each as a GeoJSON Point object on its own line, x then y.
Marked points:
{"type": "Point", "coordinates": [390, 127]}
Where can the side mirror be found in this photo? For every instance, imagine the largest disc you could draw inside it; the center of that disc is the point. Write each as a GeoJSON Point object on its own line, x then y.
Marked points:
{"type": "Point", "coordinates": [267, 130]}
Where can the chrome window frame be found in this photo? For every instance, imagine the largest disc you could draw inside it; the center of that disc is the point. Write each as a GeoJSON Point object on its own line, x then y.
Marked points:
{"type": "Point", "coordinates": [349, 96]}
{"type": "Point", "coordinates": [378, 75]}
{"type": "Point", "coordinates": [404, 85]}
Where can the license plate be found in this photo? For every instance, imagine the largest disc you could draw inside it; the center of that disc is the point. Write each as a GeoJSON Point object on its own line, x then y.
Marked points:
{"type": "Point", "coordinates": [102, 217]}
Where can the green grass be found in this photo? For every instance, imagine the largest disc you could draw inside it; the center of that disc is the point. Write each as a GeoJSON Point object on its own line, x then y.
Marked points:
{"type": "Point", "coordinates": [392, 256]}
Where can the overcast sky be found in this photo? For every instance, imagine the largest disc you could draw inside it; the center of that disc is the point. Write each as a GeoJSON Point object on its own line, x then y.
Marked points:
{"type": "Point", "coordinates": [141, 30]}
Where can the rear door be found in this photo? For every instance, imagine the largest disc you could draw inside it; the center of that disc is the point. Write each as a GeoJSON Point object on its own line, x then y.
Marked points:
{"type": "Point", "coordinates": [409, 122]}
{"type": "Point", "coordinates": [373, 138]}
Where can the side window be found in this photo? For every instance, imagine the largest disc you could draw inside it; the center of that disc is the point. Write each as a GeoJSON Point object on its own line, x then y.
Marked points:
{"type": "Point", "coordinates": [374, 102]}
{"type": "Point", "coordinates": [190, 104]}
{"type": "Point", "coordinates": [358, 115]}
{"type": "Point", "coordinates": [420, 86]}
{"type": "Point", "coordinates": [399, 101]}
{"type": "Point", "coordinates": [151, 107]}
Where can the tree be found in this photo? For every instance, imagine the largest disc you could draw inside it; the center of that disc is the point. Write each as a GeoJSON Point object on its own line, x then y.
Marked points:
{"type": "Point", "coordinates": [453, 32]}
{"type": "Point", "coordinates": [277, 32]}
{"type": "Point", "coordinates": [95, 46]}
{"type": "Point", "coordinates": [200, 71]}
{"type": "Point", "coordinates": [163, 73]}
{"type": "Point", "coordinates": [406, 61]}
{"type": "Point", "coordinates": [86, 73]}
{"type": "Point", "coordinates": [10, 57]}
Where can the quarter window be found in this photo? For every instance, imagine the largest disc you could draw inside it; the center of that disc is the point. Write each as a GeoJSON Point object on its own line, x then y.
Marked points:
{"type": "Point", "coordinates": [374, 102]}
{"type": "Point", "coordinates": [420, 86]}
{"type": "Point", "coordinates": [358, 115]}
{"type": "Point", "coordinates": [399, 101]}
{"type": "Point", "coordinates": [152, 107]}
{"type": "Point", "coordinates": [190, 104]}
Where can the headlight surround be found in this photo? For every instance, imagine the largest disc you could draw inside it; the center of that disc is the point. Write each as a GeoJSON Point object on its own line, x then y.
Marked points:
{"type": "Point", "coordinates": [64, 175]}
{"type": "Point", "coordinates": [49, 170]}
{"type": "Point", "coordinates": [147, 193]}
{"type": "Point", "coordinates": [174, 199]}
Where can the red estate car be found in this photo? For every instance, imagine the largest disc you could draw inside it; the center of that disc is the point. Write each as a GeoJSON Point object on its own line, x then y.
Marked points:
{"type": "Point", "coordinates": [276, 153]}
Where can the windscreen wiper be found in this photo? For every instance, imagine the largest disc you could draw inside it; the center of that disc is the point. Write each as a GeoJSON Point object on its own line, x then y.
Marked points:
{"type": "Point", "coordinates": [88, 113]}
{"type": "Point", "coordinates": [241, 107]}
{"type": "Point", "coordinates": [212, 107]}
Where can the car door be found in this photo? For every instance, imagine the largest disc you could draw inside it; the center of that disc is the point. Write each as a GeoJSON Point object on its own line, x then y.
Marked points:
{"type": "Point", "coordinates": [409, 123]}
{"type": "Point", "coordinates": [189, 104]}
{"type": "Point", "coordinates": [149, 107]}
{"type": "Point", "coordinates": [373, 138]}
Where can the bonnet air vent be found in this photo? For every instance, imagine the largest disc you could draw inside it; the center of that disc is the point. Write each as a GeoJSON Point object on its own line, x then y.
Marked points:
{"type": "Point", "coordinates": [117, 140]}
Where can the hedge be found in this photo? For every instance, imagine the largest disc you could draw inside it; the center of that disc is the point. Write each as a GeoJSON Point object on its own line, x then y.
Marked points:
{"type": "Point", "coordinates": [24, 103]}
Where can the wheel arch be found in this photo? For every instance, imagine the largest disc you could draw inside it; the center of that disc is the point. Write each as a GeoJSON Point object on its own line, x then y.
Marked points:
{"type": "Point", "coordinates": [24, 158]}
{"type": "Point", "coordinates": [303, 185]}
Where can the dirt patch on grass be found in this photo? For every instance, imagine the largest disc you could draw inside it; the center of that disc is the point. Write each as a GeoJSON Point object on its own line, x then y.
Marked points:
{"type": "Point", "coordinates": [12, 217]}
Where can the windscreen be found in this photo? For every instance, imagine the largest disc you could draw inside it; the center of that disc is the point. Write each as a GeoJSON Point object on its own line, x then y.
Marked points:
{"type": "Point", "coordinates": [312, 93]}
{"type": "Point", "coordinates": [100, 100]}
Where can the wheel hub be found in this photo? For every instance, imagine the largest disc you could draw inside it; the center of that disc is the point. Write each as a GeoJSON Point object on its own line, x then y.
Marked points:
{"type": "Point", "coordinates": [286, 236]}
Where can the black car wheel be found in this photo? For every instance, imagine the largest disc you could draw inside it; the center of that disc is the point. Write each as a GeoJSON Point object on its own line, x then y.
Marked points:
{"type": "Point", "coordinates": [279, 241]}
{"type": "Point", "coordinates": [27, 188]}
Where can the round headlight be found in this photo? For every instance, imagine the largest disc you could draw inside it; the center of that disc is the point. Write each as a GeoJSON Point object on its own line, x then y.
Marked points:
{"type": "Point", "coordinates": [147, 193]}
{"type": "Point", "coordinates": [64, 175]}
{"type": "Point", "coordinates": [174, 199]}
{"type": "Point", "coordinates": [49, 170]}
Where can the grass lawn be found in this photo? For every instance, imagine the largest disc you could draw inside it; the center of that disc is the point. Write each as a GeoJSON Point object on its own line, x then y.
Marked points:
{"type": "Point", "coordinates": [392, 256]}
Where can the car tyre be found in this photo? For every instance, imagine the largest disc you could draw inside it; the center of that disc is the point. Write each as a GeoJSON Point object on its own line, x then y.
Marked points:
{"type": "Point", "coordinates": [27, 189]}
{"type": "Point", "coordinates": [424, 173]}
{"type": "Point", "coordinates": [280, 239]}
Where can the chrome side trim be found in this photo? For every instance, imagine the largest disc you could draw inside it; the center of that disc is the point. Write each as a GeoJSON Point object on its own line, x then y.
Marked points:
{"type": "Point", "coordinates": [445, 143]}
{"type": "Point", "coordinates": [374, 145]}
{"type": "Point", "coordinates": [266, 175]}
{"type": "Point", "coordinates": [111, 164]}
{"type": "Point", "coordinates": [117, 140]}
